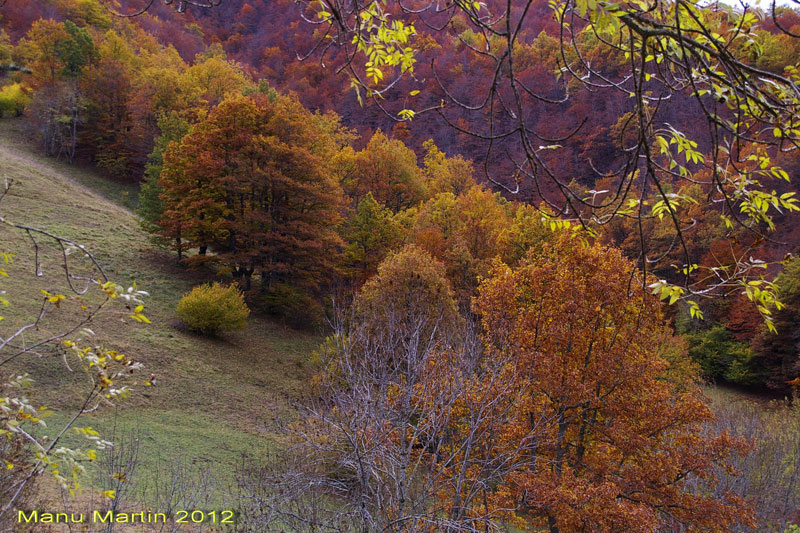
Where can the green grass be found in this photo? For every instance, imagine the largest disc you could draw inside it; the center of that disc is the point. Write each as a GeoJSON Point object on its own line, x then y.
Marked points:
{"type": "Point", "coordinates": [168, 438]}
{"type": "Point", "coordinates": [214, 398]}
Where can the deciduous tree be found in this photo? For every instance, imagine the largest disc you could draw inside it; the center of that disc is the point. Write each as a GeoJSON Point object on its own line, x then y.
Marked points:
{"type": "Point", "coordinates": [58, 53]}
{"type": "Point", "coordinates": [615, 440]}
{"type": "Point", "coordinates": [446, 174]}
{"type": "Point", "coordinates": [370, 233]}
{"type": "Point", "coordinates": [398, 435]}
{"type": "Point", "coordinates": [387, 169]}
{"type": "Point", "coordinates": [462, 232]}
{"type": "Point", "coordinates": [252, 182]}
{"type": "Point", "coordinates": [780, 352]}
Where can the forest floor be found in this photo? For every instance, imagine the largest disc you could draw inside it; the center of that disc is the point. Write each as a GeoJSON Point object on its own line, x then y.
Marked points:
{"type": "Point", "coordinates": [215, 400]}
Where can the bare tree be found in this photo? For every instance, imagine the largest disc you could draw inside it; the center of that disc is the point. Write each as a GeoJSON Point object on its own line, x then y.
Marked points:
{"type": "Point", "coordinates": [59, 110]}
{"type": "Point", "coordinates": [769, 475]}
{"type": "Point", "coordinates": [399, 433]}
{"type": "Point", "coordinates": [118, 465]}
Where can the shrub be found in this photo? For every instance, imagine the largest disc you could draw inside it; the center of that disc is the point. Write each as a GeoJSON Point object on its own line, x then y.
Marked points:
{"type": "Point", "coordinates": [769, 474]}
{"type": "Point", "coordinates": [13, 100]}
{"type": "Point", "coordinates": [211, 308]}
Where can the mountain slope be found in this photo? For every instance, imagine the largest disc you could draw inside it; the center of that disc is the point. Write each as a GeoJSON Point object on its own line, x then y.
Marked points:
{"type": "Point", "coordinates": [215, 399]}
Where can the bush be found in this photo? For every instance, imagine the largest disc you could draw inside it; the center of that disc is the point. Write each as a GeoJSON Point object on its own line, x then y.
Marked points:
{"type": "Point", "coordinates": [769, 474]}
{"type": "Point", "coordinates": [212, 308]}
{"type": "Point", "coordinates": [13, 100]}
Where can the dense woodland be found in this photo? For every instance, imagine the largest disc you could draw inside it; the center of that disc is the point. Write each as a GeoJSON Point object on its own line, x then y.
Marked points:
{"type": "Point", "coordinates": [490, 359]}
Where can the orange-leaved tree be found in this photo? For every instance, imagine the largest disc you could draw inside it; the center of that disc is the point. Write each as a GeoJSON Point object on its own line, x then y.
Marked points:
{"type": "Point", "coordinates": [611, 433]}
{"type": "Point", "coordinates": [572, 410]}
{"type": "Point", "coordinates": [385, 167]}
{"type": "Point", "coordinates": [251, 182]}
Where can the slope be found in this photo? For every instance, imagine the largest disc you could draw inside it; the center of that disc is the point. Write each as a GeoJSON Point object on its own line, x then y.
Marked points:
{"type": "Point", "coordinates": [215, 399]}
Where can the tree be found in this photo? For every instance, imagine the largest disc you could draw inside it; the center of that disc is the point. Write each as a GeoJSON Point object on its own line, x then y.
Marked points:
{"type": "Point", "coordinates": [108, 87]}
{"type": "Point", "coordinates": [252, 183]}
{"type": "Point", "coordinates": [780, 353]}
{"type": "Point", "coordinates": [613, 439]}
{"type": "Point", "coordinates": [446, 174]}
{"type": "Point", "coordinates": [527, 231]}
{"type": "Point", "coordinates": [370, 233]}
{"type": "Point", "coordinates": [76, 52]}
{"type": "Point", "coordinates": [651, 62]}
{"type": "Point", "coordinates": [654, 60]}
{"type": "Point", "coordinates": [151, 209]}
{"type": "Point", "coordinates": [409, 297]}
{"type": "Point", "coordinates": [720, 356]}
{"type": "Point", "coordinates": [6, 49]}
{"type": "Point", "coordinates": [384, 436]}
{"type": "Point", "coordinates": [462, 232]}
{"type": "Point", "coordinates": [58, 54]}
{"type": "Point", "coordinates": [85, 13]}
{"type": "Point", "coordinates": [387, 169]}
{"type": "Point", "coordinates": [210, 79]}
{"type": "Point", "coordinates": [572, 408]}
{"type": "Point", "coordinates": [180, 6]}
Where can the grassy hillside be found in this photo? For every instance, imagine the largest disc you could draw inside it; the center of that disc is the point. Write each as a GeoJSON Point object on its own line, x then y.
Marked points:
{"type": "Point", "coordinates": [215, 398]}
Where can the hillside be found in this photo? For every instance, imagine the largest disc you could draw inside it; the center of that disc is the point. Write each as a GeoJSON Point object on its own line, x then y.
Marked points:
{"type": "Point", "coordinates": [214, 399]}
{"type": "Point", "coordinates": [489, 266]}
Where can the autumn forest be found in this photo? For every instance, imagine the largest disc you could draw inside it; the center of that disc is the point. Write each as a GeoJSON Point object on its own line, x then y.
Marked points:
{"type": "Point", "coordinates": [347, 265]}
